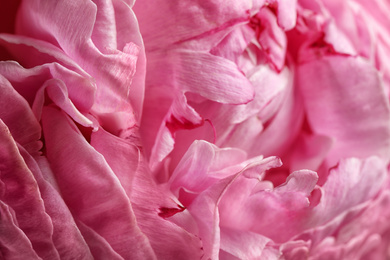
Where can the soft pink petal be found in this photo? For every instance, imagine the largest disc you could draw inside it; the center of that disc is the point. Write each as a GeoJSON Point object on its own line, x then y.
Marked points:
{"type": "Point", "coordinates": [353, 110]}
{"type": "Point", "coordinates": [153, 206]}
{"type": "Point", "coordinates": [242, 244]}
{"type": "Point", "coordinates": [202, 158]}
{"type": "Point", "coordinates": [226, 84]}
{"type": "Point", "coordinates": [180, 116]}
{"type": "Point", "coordinates": [286, 13]}
{"type": "Point", "coordinates": [350, 184]}
{"type": "Point", "coordinates": [127, 30]}
{"type": "Point", "coordinates": [192, 19]}
{"type": "Point", "coordinates": [205, 209]}
{"type": "Point", "coordinates": [284, 125]}
{"type": "Point", "coordinates": [240, 206]}
{"type": "Point", "coordinates": [27, 82]}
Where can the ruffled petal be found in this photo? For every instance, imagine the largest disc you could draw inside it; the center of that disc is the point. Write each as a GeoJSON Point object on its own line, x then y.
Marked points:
{"type": "Point", "coordinates": [21, 193]}
{"type": "Point", "coordinates": [17, 115]}
{"type": "Point", "coordinates": [67, 238]}
{"type": "Point", "coordinates": [154, 206]}
{"type": "Point", "coordinates": [14, 243]}
{"type": "Point", "coordinates": [112, 69]}
{"type": "Point", "coordinates": [108, 212]}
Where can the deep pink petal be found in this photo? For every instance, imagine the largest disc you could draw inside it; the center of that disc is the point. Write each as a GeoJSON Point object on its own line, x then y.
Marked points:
{"type": "Point", "coordinates": [108, 211]}
{"type": "Point", "coordinates": [14, 243]}
{"type": "Point", "coordinates": [18, 117]}
{"type": "Point", "coordinates": [21, 193]}
{"type": "Point", "coordinates": [67, 238]}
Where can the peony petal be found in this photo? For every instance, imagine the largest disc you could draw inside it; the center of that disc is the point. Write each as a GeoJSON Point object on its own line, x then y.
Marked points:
{"type": "Point", "coordinates": [128, 31]}
{"type": "Point", "coordinates": [241, 204]}
{"type": "Point", "coordinates": [179, 116]}
{"type": "Point", "coordinates": [121, 155]}
{"type": "Point", "coordinates": [201, 159]}
{"type": "Point", "coordinates": [14, 243]}
{"type": "Point", "coordinates": [17, 115]}
{"type": "Point", "coordinates": [192, 19]}
{"type": "Point", "coordinates": [353, 110]}
{"type": "Point", "coordinates": [99, 247]}
{"type": "Point", "coordinates": [108, 211]}
{"type": "Point", "coordinates": [286, 113]}
{"type": "Point", "coordinates": [353, 182]}
{"type": "Point", "coordinates": [243, 245]}
{"type": "Point", "coordinates": [153, 206]}
{"type": "Point", "coordinates": [27, 82]}
{"type": "Point", "coordinates": [272, 39]}
{"type": "Point", "coordinates": [112, 69]}
{"type": "Point", "coordinates": [21, 193]}
{"type": "Point", "coordinates": [287, 14]}
{"type": "Point", "coordinates": [67, 238]}
{"type": "Point", "coordinates": [216, 78]}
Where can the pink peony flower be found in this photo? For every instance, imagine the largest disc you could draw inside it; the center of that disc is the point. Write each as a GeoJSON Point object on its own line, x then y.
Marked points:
{"type": "Point", "coordinates": [194, 129]}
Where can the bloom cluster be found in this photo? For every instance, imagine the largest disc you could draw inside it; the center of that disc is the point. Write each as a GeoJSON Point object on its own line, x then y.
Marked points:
{"type": "Point", "coordinates": [195, 129]}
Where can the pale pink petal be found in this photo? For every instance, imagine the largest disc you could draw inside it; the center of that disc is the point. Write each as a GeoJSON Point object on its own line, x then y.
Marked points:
{"type": "Point", "coordinates": [90, 188]}
{"type": "Point", "coordinates": [192, 19]}
{"type": "Point", "coordinates": [286, 13]}
{"type": "Point", "coordinates": [127, 30]}
{"type": "Point", "coordinates": [205, 209]}
{"type": "Point", "coordinates": [351, 109]}
{"type": "Point", "coordinates": [226, 84]}
{"type": "Point", "coordinates": [284, 125]}
{"type": "Point", "coordinates": [202, 158]}
{"type": "Point", "coordinates": [104, 29]}
{"type": "Point", "coordinates": [243, 244]}
{"type": "Point", "coordinates": [240, 205]}
{"type": "Point", "coordinates": [27, 82]}
{"type": "Point", "coordinates": [350, 184]}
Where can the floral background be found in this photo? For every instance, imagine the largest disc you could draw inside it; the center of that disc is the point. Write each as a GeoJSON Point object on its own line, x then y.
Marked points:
{"type": "Point", "coordinates": [194, 129]}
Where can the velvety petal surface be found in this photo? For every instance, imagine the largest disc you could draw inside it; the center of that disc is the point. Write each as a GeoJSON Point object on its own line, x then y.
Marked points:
{"type": "Point", "coordinates": [108, 211]}
{"type": "Point", "coordinates": [351, 109]}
